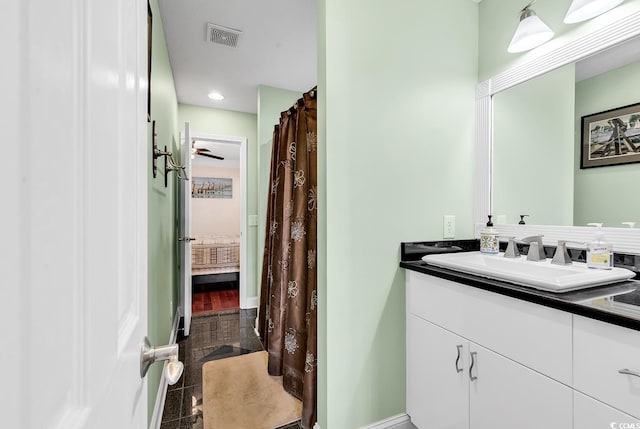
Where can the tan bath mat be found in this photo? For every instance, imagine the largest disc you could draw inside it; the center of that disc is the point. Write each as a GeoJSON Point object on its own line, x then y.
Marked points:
{"type": "Point", "coordinates": [238, 393]}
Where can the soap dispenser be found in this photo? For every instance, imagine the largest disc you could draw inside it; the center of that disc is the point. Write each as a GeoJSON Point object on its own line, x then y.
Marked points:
{"type": "Point", "coordinates": [599, 252]}
{"type": "Point", "coordinates": [489, 242]}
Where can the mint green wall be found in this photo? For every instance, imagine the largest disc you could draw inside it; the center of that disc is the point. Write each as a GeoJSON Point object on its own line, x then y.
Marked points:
{"type": "Point", "coordinates": [271, 101]}
{"type": "Point", "coordinates": [396, 126]}
{"type": "Point", "coordinates": [234, 124]}
{"type": "Point", "coordinates": [533, 128]}
{"type": "Point", "coordinates": [499, 20]}
{"type": "Point", "coordinates": [606, 194]}
{"type": "Point", "coordinates": [163, 290]}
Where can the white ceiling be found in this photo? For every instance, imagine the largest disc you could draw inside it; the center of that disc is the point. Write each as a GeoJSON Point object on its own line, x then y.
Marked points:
{"type": "Point", "coordinates": [277, 48]}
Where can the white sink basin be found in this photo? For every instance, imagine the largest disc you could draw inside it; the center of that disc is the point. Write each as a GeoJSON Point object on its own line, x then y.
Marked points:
{"type": "Point", "coordinates": [538, 275]}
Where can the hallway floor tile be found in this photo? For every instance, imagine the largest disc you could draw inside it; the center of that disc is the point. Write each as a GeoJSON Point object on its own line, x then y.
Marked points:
{"type": "Point", "coordinates": [213, 336]}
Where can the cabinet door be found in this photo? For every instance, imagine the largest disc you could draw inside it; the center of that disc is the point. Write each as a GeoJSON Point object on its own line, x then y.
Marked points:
{"type": "Point", "coordinates": [592, 414]}
{"type": "Point", "coordinates": [600, 352]}
{"type": "Point", "coordinates": [507, 395]}
{"type": "Point", "coordinates": [437, 390]}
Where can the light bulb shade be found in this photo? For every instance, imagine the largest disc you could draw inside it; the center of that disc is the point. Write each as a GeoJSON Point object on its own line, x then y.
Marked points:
{"type": "Point", "coordinates": [582, 10]}
{"type": "Point", "coordinates": [531, 32]}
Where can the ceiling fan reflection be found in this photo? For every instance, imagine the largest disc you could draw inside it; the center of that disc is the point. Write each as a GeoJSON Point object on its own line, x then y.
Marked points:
{"type": "Point", "coordinates": [203, 152]}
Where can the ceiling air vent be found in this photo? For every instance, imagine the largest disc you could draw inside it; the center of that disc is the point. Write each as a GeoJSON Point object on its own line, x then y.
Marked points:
{"type": "Point", "coordinates": [222, 35]}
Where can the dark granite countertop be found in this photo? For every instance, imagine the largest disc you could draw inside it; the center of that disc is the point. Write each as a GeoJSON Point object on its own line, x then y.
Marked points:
{"type": "Point", "coordinates": [617, 304]}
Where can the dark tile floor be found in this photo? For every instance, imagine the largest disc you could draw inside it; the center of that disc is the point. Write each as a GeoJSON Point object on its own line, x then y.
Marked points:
{"type": "Point", "coordinates": [214, 336]}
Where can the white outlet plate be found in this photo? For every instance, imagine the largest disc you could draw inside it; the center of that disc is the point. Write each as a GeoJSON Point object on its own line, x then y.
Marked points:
{"type": "Point", "coordinates": [449, 226]}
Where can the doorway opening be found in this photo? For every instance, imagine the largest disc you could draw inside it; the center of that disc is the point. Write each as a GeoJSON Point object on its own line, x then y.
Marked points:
{"type": "Point", "coordinates": [218, 222]}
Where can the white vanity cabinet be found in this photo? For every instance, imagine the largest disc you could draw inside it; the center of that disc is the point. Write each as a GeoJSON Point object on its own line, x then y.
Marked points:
{"type": "Point", "coordinates": [601, 352]}
{"type": "Point", "coordinates": [437, 367]}
{"type": "Point", "coordinates": [589, 413]}
{"type": "Point", "coordinates": [487, 387]}
{"type": "Point", "coordinates": [507, 395]}
{"type": "Point", "coordinates": [457, 384]}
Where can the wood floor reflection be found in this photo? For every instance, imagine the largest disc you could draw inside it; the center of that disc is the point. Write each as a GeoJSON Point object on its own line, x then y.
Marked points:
{"type": "Point", "coordinates": [215, 300]}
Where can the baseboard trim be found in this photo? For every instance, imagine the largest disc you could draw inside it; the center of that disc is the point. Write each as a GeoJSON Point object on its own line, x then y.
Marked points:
{"type": "Point", "coordinates": [251, 302]}
{"type": "Point", "coordinates": [389, 422]}
{"type": "Point", "coordinates": [156, 417]}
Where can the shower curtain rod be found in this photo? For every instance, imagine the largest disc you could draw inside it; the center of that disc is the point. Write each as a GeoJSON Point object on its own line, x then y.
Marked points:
{"type": "Point", "coordinates": [293, 108]}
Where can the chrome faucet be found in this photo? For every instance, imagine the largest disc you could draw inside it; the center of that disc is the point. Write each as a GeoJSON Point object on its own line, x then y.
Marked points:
{"type": "Point", "coordinates": [512, 248]}
{"type": "Point", "coordinates": [536, 248]}
{"type": "Point", "coordinates": [561, 257]}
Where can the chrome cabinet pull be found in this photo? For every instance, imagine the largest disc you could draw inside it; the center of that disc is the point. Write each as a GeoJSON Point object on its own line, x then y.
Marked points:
{"type": "Point", "coordinates": [629, 372]}
{"type": "Point", "coordinates": [458, 369]}
{"type": "Point", "coordinates": [473, 363]}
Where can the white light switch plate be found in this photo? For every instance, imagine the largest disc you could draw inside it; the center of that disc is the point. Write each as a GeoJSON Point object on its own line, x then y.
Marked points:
{"type": "Point", "coordinates": [253, 220]}
{"type": "Point", "coordinates": [449, 226]}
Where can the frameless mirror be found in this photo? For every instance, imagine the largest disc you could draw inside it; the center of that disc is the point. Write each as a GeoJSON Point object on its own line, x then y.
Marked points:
{"type": "Point", "coordinates": [537, 140]}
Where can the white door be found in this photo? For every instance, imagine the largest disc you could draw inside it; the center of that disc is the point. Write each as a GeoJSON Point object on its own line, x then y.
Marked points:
{"type": "Point", "coordinates": [504, 394]}
{"type": "Point", "coordinates": [74, 260]}
{"type": "Point", "coordinates": [185, 231]}
{"type": "Point", "coordinates": [437, 381]}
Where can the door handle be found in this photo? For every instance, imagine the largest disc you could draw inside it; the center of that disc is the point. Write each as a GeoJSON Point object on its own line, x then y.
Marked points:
{"type": "Point", "coordinates": [186, 239]}
{"type": "Point", "coordinates": [149, 355]}
{"type": "Point", "coordinates": [458, 369]}
{"type": "Point", "coordinates": [629, 372]}
{"type": "Point", "coordinates": [473, 363]}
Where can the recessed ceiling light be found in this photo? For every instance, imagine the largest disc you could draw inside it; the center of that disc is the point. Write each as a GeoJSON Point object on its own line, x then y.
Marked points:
{"type": "Point", "coordinates": [216, 96]}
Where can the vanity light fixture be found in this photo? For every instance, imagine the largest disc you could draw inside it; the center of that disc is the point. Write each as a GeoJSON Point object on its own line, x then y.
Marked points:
{"type": "Point", "coordinates": [582, 10]}
{"type": "Point", "coordinates": [216, 96]}
{"type": "Point", "coordinates": [531, 31]}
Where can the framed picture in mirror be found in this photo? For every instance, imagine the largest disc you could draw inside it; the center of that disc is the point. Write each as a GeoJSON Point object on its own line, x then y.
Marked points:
{"type": "Point", "coordinates": [611, 137]}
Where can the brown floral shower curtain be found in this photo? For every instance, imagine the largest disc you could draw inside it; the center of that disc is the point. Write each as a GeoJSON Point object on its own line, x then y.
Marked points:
{"type": "Point", "coordinates": [288, 296]}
